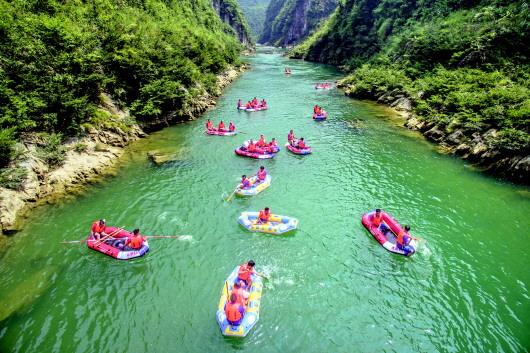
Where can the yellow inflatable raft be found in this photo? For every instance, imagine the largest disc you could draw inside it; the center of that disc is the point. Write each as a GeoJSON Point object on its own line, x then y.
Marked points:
{"type": "Point", "coordinates": [277, 224]}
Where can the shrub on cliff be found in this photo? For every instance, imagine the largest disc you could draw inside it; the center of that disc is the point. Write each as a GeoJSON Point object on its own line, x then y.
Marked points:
{"type": "Point", "coordinates": [13, 178]}
{"type": "Point", "coordinates": [6, 146]}
{"type": "Point", "coordinates": [51, 150]}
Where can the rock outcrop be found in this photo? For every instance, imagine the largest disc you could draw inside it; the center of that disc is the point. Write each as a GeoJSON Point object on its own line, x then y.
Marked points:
{"type": "Point", "coordinates": [288, 22]}
{"type": "Point", "coordinates": [472, 146]}
{"type": "Point", "coordinates": [229, 12]}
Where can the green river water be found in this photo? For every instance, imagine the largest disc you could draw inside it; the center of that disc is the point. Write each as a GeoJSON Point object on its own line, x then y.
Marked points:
{"type": "Point", "coordinates": [332, 287]}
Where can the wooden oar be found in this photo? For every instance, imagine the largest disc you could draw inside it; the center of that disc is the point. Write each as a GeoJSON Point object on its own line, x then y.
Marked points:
{"type": "Point", "coordinates": [85, 240]}
{"type": "Point", "coordinates": [232, 195]}
{"type": "Point", "coordinates": [166, 236]}
{"type": "Point", "coordinates": [261, 275]}
{"type": "Point", "coordinates": [108, 236]}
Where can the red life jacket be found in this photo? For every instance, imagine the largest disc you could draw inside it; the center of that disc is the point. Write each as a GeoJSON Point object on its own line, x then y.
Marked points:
{"type": "Point", "coordinates": [221, 126]}
{"type": "Point", "coordinates": [301, 144]}
{"type": "Point", "coordinates": [96, 228]}
{"type": "Point", "coordinates": [135, 242]}
{"type": "Point", "coordinates": [263, 216]}
{"type": "Point", "coordinates": [262, 174]}
{"type": "Point", "coordinates": [244, 272]}
{"type": "Point", "coordinates": [209, 125]}
{"type": "Point", "coordinates": [261, 142]}
{"type": "Point", "coordinates": [232, 312]}
{"type": "Point", "coordinates": [377, 220]}
{"type": "Point", "coordinates": [231, 127]}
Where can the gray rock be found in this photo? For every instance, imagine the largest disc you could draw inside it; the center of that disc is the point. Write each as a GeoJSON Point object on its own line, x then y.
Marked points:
{"type": "Point", "coordinates": [402, 103]}
{"type": "Point", "coordinates": [456, 138]}
{"type": "Point", "coordinates": [434, 134]}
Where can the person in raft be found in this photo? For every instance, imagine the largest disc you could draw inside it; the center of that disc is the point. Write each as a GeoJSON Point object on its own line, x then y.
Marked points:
{"type": "Point", "coordinates": [209, 125]}
{"type": "Point", "coordinates": [272, 146]}
{"type": "Point", "coordinates": [98, 229]}
{"type": "Point", "coordinates": [231, 127]}
{"type": "Point", "coordinates": [290, 138]}
{"type": "Point", "coordinates": [240, 292]}
{"type": "Point", "coordinates": [239, 103]}
{"type": "Point", "coordinates": [403, 239]}
{"type": "Point", "coordinates": [264, 215]}
{"type": "Point", "coordinates": [301, 143]}
{"type": "Point", "coordinates": [255, 102]}
{"type": "Point", "coordinates": [135, 242]}
{"type": "Point", "coordinates": [263, 103]}
{"type": "Point", "coordinates": [221, 126]}
{"type": "Point", "coordinates": [261, 174]}
{"type": "Point", "coordinates": [245, 182]}
{"type": "Point", "coordinates": [245, 272]}
{"type": "Point", "coordinates": [234, 311]}
{"type": "Point", "coordinates": [251, 147]}
{"type": "Point", "coordinates": [261, 142]}
{"type": "Point", "coordinates": [376, 218]}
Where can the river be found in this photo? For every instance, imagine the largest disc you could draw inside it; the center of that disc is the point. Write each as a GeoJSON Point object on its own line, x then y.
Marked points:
{"type": "Point", "coordinates": [332, 287]}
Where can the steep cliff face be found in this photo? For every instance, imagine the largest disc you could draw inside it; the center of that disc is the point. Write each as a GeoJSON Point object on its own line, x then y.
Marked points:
{"type": "Point", "coordinates": [254, 11]}
{"type": "Point", "coordinates": [289, 21]}
{"type": "Point", "coordinates": [229, 12]}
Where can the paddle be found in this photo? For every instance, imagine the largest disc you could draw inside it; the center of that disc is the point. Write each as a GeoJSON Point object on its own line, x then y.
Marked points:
{"type": "Point", "coordinates": [261, 275]}
{"type": "Point", "coordinates": [108, 236]}
{"type": "Point", "coordinates": [232, 195]}
{"type": "Point", "coordinates": [85, 240]}
{"type": "Point", "coordinates": [167, 236]}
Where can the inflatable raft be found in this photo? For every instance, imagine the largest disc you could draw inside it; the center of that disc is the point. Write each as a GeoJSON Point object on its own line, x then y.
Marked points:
{"type": "Point", "coordinates": [107, 247]}
{"type": "Point", "coordinates": [242, 151]}
{"type": "Point", "coordinates": [388, 238]}
{"type": "Point", "coordinates": [320, 117]}
{"type": "Point", "coordinates": [251, 315]}
{"type": "Point", "coordinates": [221, 133]}
{"type": "Point", "coordinates": [297, 150]}
{"type": "Point", "coordinates": [276, 225]}
{"type": "Point", "coordinates": [253, 109]}
{"type": "Point", "coordinates": [255, 188]}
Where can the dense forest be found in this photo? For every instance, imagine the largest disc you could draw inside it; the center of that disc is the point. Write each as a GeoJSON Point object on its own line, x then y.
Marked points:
{"type": "Point", "coordinates": [254, 11]}
{"type": "Point", "coordinates": [464, 65]}
{"type": "Point", "coordinates": [154, 57]}
{"type": "Point", "coordinates": [289, 21]}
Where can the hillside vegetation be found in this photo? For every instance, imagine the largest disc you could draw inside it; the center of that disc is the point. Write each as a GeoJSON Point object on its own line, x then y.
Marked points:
{"type": "Point", "coordinates": [289, 21]}
{"type": "Point", "coordinates": [462, 65]}
{"type": "Point", "coordinates": [56, 58]}
{"type": "Point", "coordinates": [254, 11]}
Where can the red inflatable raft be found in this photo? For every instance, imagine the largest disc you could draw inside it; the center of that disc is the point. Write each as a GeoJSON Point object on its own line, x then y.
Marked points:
{"type": "Point", "coordinates": [242, 151]}
{"type": "Point", "coordinates": [319, 117]}
{"type": "Point", "coordinates": [220, 133]}
{"type": "Point", "coordinates": [296, 150]}
{"type": "Point", "coordinates": [107, 248]}
{"type": "Point", "coordinates": [387, 232]}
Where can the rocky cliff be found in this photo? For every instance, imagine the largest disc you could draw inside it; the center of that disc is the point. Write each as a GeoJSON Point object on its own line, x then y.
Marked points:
{"type": "Point", "coordinates": [229, 12]}
{"type": "Point", "coordinates": [254, 11]}
{"type": "Point", "coordinates": [289, 21]}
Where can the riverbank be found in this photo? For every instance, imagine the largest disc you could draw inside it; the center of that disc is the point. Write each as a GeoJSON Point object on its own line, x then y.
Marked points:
{"type": "Point", "coordinates": [476, 146]}
{"type": "Point", "coordinates": [87, 159]}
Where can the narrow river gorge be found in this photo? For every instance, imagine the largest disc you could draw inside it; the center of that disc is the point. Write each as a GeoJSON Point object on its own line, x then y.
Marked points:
{"type": "Point", "coordinates": [332, 287]}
